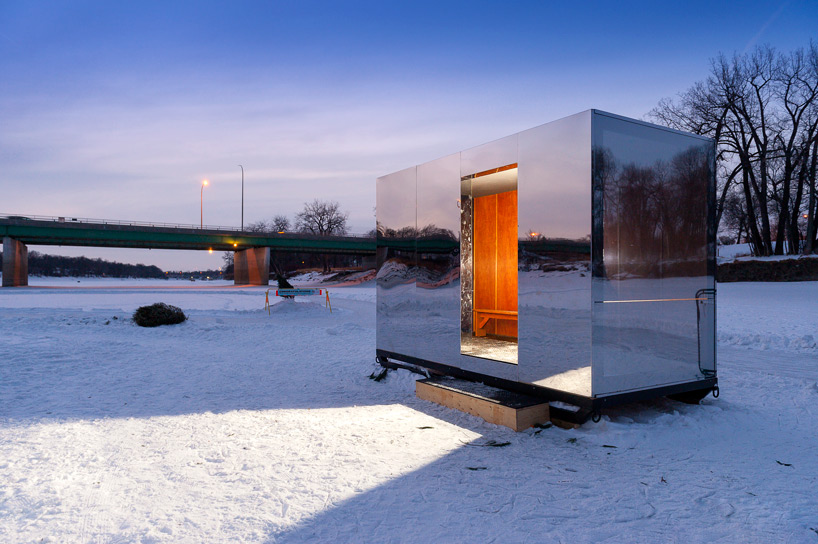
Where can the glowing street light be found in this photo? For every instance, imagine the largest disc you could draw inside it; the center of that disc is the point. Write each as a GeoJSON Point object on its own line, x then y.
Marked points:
{"type": "Point", "coordinates": [201, 206]}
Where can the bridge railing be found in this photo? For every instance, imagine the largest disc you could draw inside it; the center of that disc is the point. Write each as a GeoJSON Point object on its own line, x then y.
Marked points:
{"type": "Point", "coordinates": [68, 219]}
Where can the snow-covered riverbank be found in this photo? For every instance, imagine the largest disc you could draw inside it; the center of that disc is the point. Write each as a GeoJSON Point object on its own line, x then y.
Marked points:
{"type": "Point", "coordinates": [243, 426]}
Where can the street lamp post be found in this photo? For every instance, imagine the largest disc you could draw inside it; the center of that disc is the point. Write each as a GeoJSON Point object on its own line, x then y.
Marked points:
{"type": "Point", "coordinates": [242, 197]}
{"type": "Point", "coordinates": [201, 206]}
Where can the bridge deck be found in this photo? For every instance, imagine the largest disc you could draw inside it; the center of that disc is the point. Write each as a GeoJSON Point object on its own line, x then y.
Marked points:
{"type": "Point", "coordinates": [129, 235]}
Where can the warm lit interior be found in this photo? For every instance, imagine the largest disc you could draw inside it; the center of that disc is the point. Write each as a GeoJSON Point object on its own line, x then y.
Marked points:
{"type": "Point", "coordinates": [492, 302]}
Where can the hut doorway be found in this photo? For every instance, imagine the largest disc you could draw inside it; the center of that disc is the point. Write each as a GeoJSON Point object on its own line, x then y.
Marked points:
{"type": "Point", "coordinates": [489, 264]}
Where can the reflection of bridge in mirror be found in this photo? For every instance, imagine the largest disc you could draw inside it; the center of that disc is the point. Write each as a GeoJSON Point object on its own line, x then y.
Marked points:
{"type": "Point", "coordinates": [252, 249]}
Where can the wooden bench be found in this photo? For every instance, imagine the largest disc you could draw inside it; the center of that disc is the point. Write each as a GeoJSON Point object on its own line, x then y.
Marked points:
{"type": "Point", "coordinates": [482, 317]}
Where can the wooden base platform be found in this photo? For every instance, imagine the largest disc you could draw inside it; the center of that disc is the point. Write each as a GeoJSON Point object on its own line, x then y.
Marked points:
{"type": "Point", "coordinates": [498, 406]}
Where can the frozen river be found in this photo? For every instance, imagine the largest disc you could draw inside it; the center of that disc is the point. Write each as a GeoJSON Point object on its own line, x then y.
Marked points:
{"type": "Point", "coordinates": [243, 426]}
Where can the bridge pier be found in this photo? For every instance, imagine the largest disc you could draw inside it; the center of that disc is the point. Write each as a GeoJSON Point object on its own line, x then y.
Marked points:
{"type": "Point", "coordinates": [250, 266]}
{"type": "Point", "coordinates": [15, 263]}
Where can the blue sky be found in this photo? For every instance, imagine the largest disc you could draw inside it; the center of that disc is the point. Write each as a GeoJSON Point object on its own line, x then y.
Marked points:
{"type": "Point", "coordinates": [119, 110]}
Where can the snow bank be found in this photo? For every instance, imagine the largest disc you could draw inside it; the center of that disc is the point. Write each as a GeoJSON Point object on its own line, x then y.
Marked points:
{"type": "Point", "coordinates": [730, 252]}
{"type": "Point", "coordinates": [743, 252]}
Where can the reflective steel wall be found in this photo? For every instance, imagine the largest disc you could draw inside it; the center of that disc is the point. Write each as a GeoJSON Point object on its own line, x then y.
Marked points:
{"type": "Point", "coordinates": [554, 255]}
{"type": "Point", "coordinates": [653, 256]}
{"type": "Point", "coordinates": [616, 256]}
{"type": "Point", "coordinates": [396, 209]}
{"type": "Point", "coordinates": [438, 278]}
{"type": "Point", "coordinates": [423, 274]}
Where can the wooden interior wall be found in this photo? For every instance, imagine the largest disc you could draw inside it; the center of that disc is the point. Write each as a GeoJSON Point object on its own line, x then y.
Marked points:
{"type": "Point", "coordinates": [495, 258]}
{"type": "Point", "coordinates": [484, 255]}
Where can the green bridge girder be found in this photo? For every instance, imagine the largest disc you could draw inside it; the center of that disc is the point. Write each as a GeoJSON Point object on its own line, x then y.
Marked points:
{"type": "Point", "coordinates": [72, 233]}
{"type": "Point", "coordinates": [57, 233]}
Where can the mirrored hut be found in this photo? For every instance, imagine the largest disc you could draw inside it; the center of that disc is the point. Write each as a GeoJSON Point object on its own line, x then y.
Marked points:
{"type": "Point", "coordinates": [574, 261]}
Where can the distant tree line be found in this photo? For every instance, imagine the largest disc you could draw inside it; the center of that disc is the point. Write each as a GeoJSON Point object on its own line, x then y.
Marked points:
{"type": "Point", "coordinates": [762, 110]}
{"type": "Point", "coordinates": [40, 264]}
{"type": "Point", "coordinates": [195, 274]}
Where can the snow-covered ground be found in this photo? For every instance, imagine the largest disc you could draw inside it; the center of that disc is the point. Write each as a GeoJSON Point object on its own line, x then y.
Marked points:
{"type": "Point", "coordinates": [743, 252]}
{"type": "Point", "coordinates": [239, 426]}
{"type": "Point", "coordinates": [732, 251]}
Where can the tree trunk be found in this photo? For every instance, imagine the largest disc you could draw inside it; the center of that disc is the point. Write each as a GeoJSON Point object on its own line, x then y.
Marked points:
{"type": "Point", "coordinates": [752, 225]}
{"type": "Point", "coordinates": [794, 234]}
{"type": "Point", "coordinates": [783, 211]}
{"type": "Point", "coordinates": [812, 220]}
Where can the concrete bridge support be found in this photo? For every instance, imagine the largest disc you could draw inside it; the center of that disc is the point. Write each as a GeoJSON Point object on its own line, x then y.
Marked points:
{"type": "Point", "coordinates": [15, 263]}
{"type": "Point", "coordinates": [250, 266]}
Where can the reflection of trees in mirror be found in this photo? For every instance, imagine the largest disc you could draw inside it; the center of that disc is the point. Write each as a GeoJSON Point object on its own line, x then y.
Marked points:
{"type": "Point", "coordinates": [438, 257]}
{"type": "Point", "coordinates": [555, 255]}
{"type": "Point", "coordinates": [428, 231]}
{"type": "Point", "coordinates": [655, 217]}
{"type": "Point", "coordinates": [433, 231]}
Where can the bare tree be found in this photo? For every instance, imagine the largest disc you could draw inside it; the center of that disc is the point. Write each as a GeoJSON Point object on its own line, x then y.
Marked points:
{"type": "Point", "coordinates": [762, 110]}
{"type": "Point", "coordinates": [259, 226]}
{"type": "Point", "coordinates": [735, 216]}
{"type": "Point", "coordinates": [280, 223]}
{"type": "Point", "coordinates": [321, 217]}
{"type": "Point", "coordinates": [810, 243]}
